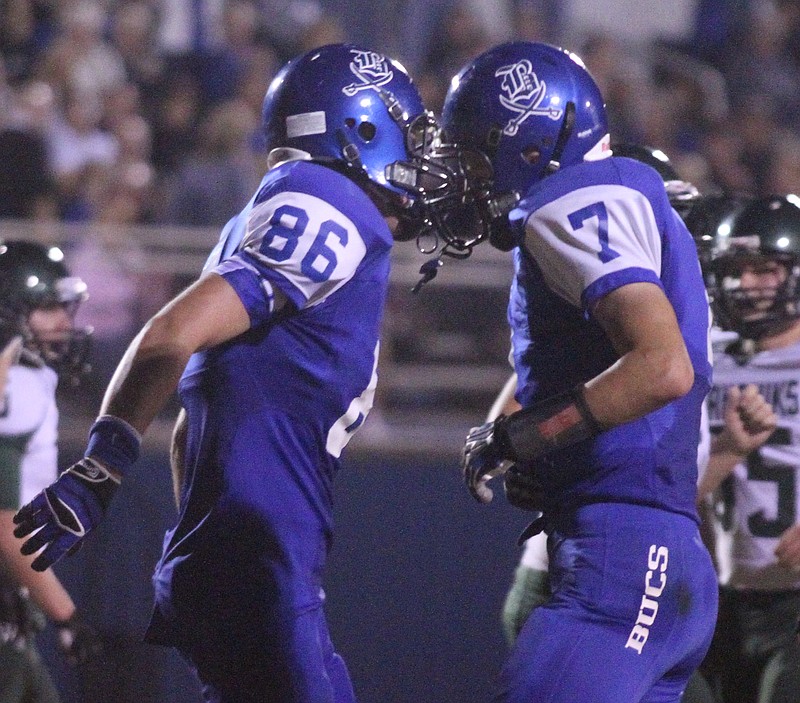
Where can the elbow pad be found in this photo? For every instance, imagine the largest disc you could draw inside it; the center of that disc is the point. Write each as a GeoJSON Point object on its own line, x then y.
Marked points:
{"type": "Point", "coordinates": [545, 427]}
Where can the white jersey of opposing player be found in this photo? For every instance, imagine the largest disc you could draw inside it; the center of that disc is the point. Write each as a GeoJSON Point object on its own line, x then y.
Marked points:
{"type": "Point", "coordinates": [29, 429]}
{"type": "Point", "coordinates": [762, 499]}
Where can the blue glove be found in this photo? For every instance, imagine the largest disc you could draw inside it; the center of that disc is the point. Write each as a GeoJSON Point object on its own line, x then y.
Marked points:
{"type": "Point", "coordinates": [59, 518]}
{"type": "Point", "coordinates": [482, 460]}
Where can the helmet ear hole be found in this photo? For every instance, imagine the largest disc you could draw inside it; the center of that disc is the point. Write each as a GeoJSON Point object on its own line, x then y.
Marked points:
{"type": "Point", "coordinates": [351, 86]}
{"type": "Point", "coordinates": [531, 154]}
{"type": "Point", "coordinates": [493, 137]}
{"type": "Point", "coordinates": [367, 130]}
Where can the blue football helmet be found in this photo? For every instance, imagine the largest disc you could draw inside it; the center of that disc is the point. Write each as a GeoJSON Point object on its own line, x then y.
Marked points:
{"type": "Point", "coordinates": [529, 109]}
{"type": "Point", "coordinates": [357, 110]}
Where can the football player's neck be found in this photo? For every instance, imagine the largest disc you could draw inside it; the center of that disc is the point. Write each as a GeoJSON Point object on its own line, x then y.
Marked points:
{"type": "Point", "coordinates": [785, 337]}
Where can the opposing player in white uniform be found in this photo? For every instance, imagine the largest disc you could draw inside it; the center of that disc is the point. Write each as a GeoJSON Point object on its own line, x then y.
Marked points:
{"type": "Point", "coordinates": [274, 353]}
{"type": "Point", "coordinates": [609, 323]}
{"type": "Point", "coordinates": [38, 300]}
{"type": "Point", "coordinates": [755, 286]}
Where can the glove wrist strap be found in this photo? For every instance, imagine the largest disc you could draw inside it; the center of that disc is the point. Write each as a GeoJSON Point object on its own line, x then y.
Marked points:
{"type": "Point", "coordinates": [545, 427]}
{"type": "Point", "coordinates": [114, 443]}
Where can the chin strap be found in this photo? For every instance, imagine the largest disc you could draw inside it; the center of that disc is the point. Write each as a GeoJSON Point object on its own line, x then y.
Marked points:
{"type": "Point", "coordinates": [563, 136]}
{"type": "Point", "coordinates": [428, 271]}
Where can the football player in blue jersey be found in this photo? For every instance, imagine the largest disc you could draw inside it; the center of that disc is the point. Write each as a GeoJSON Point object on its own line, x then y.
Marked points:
{"type": "Point", "coordinates": [609, 321]}
{"type": "Point", "coordinates": [530, 586]}
{"type": "Point", "coordinates": [748, 419]}
{"type": "Point", "coordinates": [273, 351]}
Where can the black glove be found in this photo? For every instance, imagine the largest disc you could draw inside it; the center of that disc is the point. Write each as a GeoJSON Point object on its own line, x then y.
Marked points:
{"type": "Point", "coordinates": [482, 460]}
{"type": "Point", "coordinates": [523, 488]}
{"type": "Point", "coordinates": [78, 641]}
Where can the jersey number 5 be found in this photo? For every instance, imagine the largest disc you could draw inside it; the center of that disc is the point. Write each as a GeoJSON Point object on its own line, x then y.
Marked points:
{"type": "Point", "coordinates": [783, 477]}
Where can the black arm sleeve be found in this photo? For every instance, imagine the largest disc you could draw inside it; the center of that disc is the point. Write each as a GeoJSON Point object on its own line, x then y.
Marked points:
{"type": "Point", "coordinates": [554, 423]}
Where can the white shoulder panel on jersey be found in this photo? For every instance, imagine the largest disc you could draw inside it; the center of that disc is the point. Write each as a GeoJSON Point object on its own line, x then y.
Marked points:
{"type": "Point", "coordinates": [590, 233]}
{"type": "Point", "coordinates": [311, 243]}
{"type": "Point", "coordinates": [29, 393]}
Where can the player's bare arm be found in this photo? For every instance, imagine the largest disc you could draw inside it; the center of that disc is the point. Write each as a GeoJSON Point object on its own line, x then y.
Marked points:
{"type": "Point", "coordinates": [749, 422]}
{"type": "Point", "coordinates": [654, 366]}
{"type": "Point", "coordinates": [505, 403]}
{"type": "Point", "coordinates": [206, 314]}
{"type": "Point", "coordinates": [44, 588]}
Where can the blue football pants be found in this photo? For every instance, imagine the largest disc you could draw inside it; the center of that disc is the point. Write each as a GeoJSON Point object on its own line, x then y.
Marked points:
{"type": "Point", "coordinates": [632, 614]}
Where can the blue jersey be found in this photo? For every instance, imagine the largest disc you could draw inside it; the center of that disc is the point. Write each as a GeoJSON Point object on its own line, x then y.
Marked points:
{"type": "Point", "coordinates": [582, 233]}
{"type": "Point", "coordinates": [270, 411]}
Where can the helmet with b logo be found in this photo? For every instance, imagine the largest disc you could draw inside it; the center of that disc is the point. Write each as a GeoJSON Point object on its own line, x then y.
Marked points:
{"type": "Point", "coordinates": [531, 108]}
{"type": "Point", "coordinates": [519, 112]}
{"type": "Point", "coordinates": [350, 106]}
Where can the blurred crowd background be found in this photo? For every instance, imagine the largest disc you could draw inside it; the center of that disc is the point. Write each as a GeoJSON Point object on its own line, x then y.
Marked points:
{"type": "Point", "coordinates": [122, 117]}
{"type": "Point", "coordinates": [147, 111]}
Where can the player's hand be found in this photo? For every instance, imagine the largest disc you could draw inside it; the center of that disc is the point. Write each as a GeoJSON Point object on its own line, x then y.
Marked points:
{"type": "Point", "coordinates": [523, 488]}
{"type": "Point", "coordinates": [481, 461]}
{"type": "Point", "coordinates": [749, 420]}
{"type": "Point", "coordinates": [788, 549]}
{"type": "Point", "coordinates": [78, 641]}
{"type": "Point", "coordinates": [60, 517]}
